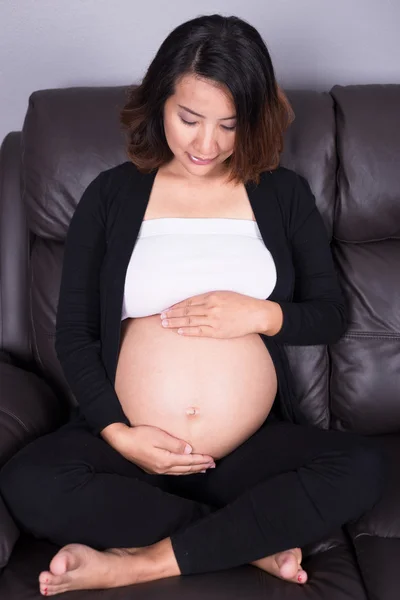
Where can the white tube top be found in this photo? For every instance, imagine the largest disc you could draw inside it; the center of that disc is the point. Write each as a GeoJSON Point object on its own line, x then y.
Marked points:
{"type": "Point", "coordinates": [176, 258]}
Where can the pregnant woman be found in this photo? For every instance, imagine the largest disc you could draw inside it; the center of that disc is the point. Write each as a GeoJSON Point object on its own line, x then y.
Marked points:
{"type": "Point", "coordinates": [186, 271]}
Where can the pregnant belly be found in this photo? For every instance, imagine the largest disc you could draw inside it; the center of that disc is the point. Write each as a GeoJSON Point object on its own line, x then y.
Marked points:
{"type": "Point", "coordinates": [212, 393]}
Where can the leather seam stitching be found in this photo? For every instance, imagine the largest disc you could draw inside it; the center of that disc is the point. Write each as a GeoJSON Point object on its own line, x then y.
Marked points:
{"type": "Point", "coordinates": [371, 241]}
{"type": "Point", "coordinates": [382, 336]}
{"type": "Point", "coordinates": [14, 416]}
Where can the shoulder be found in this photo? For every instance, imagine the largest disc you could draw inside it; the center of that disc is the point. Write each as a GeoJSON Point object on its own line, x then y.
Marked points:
{"type": "Point", "coordinates": [109, 178]}
{"type": "Point", "coordinates": [109, 185]}
{"type": "Point", "coordinates": [117, 176]}
{"type": "Point", "coordinates": [288, 182]}
{"type": "Point", "coordinates": [103, 192]}
{"type": "Point", "coordinates": [294, 195]}
{"type": "Point", "coordinates": [282, 176]}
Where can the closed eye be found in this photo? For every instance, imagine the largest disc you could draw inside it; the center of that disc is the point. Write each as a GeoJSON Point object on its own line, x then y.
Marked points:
{"type": "Point", "coordinates": [191, 123]}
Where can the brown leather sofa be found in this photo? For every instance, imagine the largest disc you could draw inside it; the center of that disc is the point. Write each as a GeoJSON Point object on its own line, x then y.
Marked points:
{"type": "Point", "coordinates": [347, 144]}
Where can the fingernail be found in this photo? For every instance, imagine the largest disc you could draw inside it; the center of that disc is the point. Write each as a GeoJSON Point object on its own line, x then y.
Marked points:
{"type": "Point", "coordinates": [300, 578]}
{"type": "Point", "coordinates": [188, 449]}
{"type": "Point", "coordinates": [203, 471]}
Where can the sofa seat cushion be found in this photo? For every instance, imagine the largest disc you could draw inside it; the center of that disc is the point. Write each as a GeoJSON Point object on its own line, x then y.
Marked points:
{"type": "Point", "coordinates": [383, 520]}
{"type": "Point", "coordinates": [378, 560]}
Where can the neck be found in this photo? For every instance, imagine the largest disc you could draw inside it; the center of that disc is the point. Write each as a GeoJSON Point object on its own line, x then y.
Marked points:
{"type": "Point", "coordinates": [216, 177]}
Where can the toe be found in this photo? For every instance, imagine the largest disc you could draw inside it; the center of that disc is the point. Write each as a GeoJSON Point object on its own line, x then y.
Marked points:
{"type": "Point", "coordinates": [301, 576]}
{"type": "Point", "coordinates": [67, 559]}
{"type": "Point", "coordinates": [45, 577]}
{"type": "Point", "coordinates": [59, 563]}
{"type": "Point", "coordinates": [288, 564]}
{"type": "Point", "coordinates": [56, 580]}
{"type": "Point", "coordinates": [53, 590]}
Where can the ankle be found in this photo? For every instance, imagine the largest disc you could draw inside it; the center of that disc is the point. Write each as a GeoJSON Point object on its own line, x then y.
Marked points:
{"type": "Point", "coordinates": [162, 558]}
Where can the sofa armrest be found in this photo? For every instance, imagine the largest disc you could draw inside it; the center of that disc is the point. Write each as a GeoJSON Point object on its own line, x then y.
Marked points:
{"type": "Point", "coordinates": [14, 252]}
{"type": "Point", "coordinates": [28, 409]}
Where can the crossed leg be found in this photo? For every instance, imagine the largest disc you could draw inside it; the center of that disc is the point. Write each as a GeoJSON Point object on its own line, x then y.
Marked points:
{"type": "Point", "coordinates": [333, 477]}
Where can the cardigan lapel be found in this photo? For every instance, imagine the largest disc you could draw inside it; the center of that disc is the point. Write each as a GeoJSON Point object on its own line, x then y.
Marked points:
{"type": "Point", "coordinates": [135, 198]}
{"type": "Point", "coordinates": [266, 209]}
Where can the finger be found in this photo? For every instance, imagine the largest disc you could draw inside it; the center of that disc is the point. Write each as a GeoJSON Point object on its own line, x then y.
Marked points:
{"type": "Point", "coordinates": [187, 460]}
{"type": "Point", "coordinates": [182, 474]}
{"type": "Point", "coordinates": [172, 445]}
{"type": "Point", "coordinates": [189, 469]}
{"type": "Point", "coordinates": [199, 299]}
{"type": "Point", "coordinates": [189, 321]}
{"type": "Point", "coordinates": [202, 331]}
{"type": "Point", "coordinates": [199, 310]}
{"type": "Point", "coordinates": [193, 331]}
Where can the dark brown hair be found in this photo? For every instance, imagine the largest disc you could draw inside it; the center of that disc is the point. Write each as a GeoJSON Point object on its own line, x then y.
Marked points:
{"type": "Point", "coordinates": [232, 53]}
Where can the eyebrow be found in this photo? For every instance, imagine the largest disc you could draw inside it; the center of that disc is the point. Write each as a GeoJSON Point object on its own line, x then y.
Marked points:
{"type": "Point", "coordinates": [202, 116]}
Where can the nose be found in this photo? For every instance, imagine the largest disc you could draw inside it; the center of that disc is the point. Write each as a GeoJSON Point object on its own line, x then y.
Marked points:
{"type": "Point", "coordinates": [206, 145]}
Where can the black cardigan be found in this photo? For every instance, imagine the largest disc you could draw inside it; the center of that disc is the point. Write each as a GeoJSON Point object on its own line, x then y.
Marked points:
{"type": "Point", "coordinates": [99, 244]}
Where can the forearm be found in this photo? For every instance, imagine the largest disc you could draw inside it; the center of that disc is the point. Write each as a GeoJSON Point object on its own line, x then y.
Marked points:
{"type": "Point", "coordinates": [303, 323]}
{"type": "Point", "coordinates": [315, 314]}
{"type": "Point", "coordinates": [78, 342]}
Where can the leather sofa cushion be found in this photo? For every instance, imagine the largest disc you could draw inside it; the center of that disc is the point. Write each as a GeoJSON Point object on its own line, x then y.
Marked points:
{"type": "Point", "coordinates": [28, 409]}
{"type": "Point", "coordinates": [9, 534]}
{"type": "Point", "coordinates": [365, 363]}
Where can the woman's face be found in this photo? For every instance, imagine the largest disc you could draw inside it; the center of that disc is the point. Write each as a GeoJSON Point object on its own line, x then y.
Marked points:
{"type": "Point", "coordinates": [209, 134]}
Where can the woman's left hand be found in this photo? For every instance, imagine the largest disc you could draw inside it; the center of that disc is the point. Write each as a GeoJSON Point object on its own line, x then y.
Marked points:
{"type": "Point", "coordinates": [219, 314]}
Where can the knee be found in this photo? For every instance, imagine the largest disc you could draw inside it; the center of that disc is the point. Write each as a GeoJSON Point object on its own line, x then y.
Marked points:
{"type": "Point", "coordinates": [11, 484]}
{"type": "Point", "coordinates": [369, 470]}
{"type": "Point", "coordinates": [27, 488]}
{"type": "Point", "coordinates": [16, 485]}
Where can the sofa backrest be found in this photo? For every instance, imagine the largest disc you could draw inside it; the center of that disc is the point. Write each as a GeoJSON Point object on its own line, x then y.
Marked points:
{"type": "Point", "coordinates": [365, 379]}
{"type": "Point", "coordinates": [70, 135]}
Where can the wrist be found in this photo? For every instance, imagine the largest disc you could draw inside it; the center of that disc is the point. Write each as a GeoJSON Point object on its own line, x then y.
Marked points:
{"type": "Point", "coordinates": [271, 319]}
{"type": "Point", "coordinates": [114, 433]}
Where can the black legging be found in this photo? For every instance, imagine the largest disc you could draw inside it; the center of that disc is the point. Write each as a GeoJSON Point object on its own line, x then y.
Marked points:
{"type": "Point", "coordinates": [286, 486]}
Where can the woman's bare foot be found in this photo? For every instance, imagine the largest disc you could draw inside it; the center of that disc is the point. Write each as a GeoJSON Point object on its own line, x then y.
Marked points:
{"type": "Point", "coordinates": [79, 567]}
{"type": "Point", "coordinates": [285, 565]}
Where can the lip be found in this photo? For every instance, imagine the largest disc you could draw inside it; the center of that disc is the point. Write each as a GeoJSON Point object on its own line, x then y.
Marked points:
{"type": "Point", "coordinates": [200, 161]}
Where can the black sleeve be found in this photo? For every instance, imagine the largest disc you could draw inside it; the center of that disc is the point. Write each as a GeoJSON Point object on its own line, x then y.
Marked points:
{"type": "Point", "coordinates": [317, 314]}
{"type": "Point", "coordinates": [77, 343]}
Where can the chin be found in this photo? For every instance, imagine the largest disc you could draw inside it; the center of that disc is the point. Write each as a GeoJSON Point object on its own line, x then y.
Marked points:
{"type": "Point", "coordinates": [218, 163]}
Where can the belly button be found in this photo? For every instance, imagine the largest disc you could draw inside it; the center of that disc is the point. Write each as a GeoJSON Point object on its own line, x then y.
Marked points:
{"type": "Point", "coordinates": [192, 410]}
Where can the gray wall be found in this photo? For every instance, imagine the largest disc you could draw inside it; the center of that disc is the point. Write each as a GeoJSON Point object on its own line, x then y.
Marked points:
{"type": "Point", "coordinates": [313, 43]}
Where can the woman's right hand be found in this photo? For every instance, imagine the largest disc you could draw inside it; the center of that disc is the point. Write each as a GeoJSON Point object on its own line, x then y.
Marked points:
{"type": "Point", "coordinates": [157, 452]}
